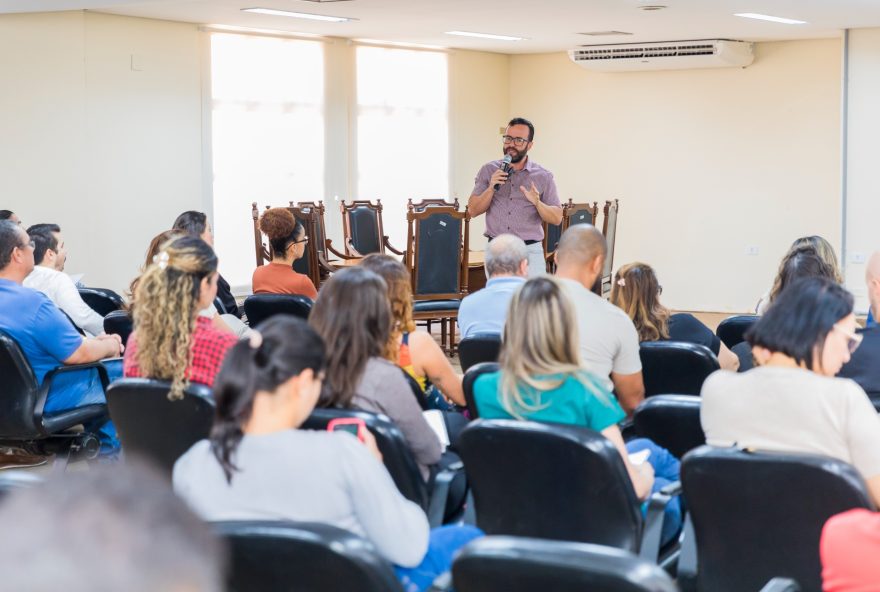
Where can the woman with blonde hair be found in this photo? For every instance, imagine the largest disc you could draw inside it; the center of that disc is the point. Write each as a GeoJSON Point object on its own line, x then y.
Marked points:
{"type": "Point", "coordinates": [171, 341]}
{"type": "Point", "coordinates": [791, 267]}
{"type": "Point", "coordinates": [288, 239]}
{"type": "Point", "coordinates": [636, 291]}
{"type": "Point", "coordinates": [541, 378]}
{"type": "Point", "coordinates": [416, 352]}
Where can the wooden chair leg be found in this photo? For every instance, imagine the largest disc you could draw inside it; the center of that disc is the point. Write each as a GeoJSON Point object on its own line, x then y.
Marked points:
{"type": "Point", "coordinates": [443, 334]}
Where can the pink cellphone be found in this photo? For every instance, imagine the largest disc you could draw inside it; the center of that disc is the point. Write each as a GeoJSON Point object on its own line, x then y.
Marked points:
{"type": "Point", "coordinates": [352, 425]}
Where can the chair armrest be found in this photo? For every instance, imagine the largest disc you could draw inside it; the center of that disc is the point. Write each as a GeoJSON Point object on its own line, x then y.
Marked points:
{"type": "Point", "coordinates": [440, 493]}
{"type": "Point", "coordinates": [650, 548]}
{"type": "Point", "coordinates": [687, 559]}
{"type": "Point", "coordinates": [390, 248]}
{"type": "Point", "coordinates": [337, 253]}
{"type": "Point", "coordinates": [781, 585]}
{"type": "Point", "coordinates": [47, 385]}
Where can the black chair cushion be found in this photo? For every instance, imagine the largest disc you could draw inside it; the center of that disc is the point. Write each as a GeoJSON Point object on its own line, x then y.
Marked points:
{"type": "Point", "coordinates": [307, 557]}
{"type": "Point", "coordinates": [59, 421]}
{"type": "Point", "coordinates": [260, 307]}
{"type": "Point", "coordinates": [675, 367]}
{"type": "Point", "coordinates": [732, 329]}
{"type": "Point", "coordinates": [512, 564]}
{"type": "Point", "coordinates": [364, 225]}
{"type": "Point", "coordinates": [436, 305]}
{"type": "Point", "coordinates": [119, 322]}
{"type": "Point", "coordinates": [467, 384]}
{"type": "Point", "coordinates": [479, 347]}
{"type": "Point", "coordinates": [101, 300]}
{"type": "Point", "coordinates": [672, 421]}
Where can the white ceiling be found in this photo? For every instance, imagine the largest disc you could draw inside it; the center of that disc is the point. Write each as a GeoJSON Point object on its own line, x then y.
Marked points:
{"type": "Point", "coordinates": [548, 25]}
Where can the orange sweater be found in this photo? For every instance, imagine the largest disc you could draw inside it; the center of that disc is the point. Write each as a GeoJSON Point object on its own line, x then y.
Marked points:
{"type": "Point", "coordinates": [279, 278]}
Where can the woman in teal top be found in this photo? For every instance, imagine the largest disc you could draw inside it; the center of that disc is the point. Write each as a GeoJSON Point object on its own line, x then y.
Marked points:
{"type": "Point", "coordinates": [541, 379]}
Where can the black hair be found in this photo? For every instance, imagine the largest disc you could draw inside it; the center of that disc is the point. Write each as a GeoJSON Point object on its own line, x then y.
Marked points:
{"type": "Point", "coordinates": [191, 222]}
{"type": "Point", "coordinates": [800, 319]}
{"type": "Point", "coordinates": [9, 240]}
{"type": "Point", "coordinates": [43, 227]}
{"type": "Point", "coordinates": [289, 346]}
{"type": "Point", "coordinates": [525, 122]}
{"type": "Point", "coordinates": [44, 240]}
{"type": "Point", "coordinates": [6, 214]}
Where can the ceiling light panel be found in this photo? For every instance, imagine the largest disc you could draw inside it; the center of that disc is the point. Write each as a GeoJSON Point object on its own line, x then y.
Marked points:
{"type": "Point", "coordinates": [299, 15]}
{"type": "Point", "coordinates": [772, 19]}
{"type": "Point", "coordinates": [485, 36]}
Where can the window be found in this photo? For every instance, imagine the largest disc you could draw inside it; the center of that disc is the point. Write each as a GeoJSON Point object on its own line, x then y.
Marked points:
{"type": "Point", "coordinates": [402, 130]}
{"type": "Point", "coordinates": [267, 136]}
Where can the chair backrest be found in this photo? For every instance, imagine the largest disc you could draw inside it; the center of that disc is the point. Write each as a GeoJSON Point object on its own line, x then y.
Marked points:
{"type": "Point", "coordinates": [18, 391]}
{"type": "Point", "coordinates": [260, 307]}
{"type": "Point", "coordinates": [479, 347]}
{"type": "Point", "coordinates": [672, 421]}
{"type": "Point", "coordinates": [119, 322]}
{"type": "Point", "coordinates": [277, 556]}
{"type": "Point", "coordinates": [549, 481]}
{"type": "Point", "coordinates": [151, 425]}
{"type": "Point", "coordinates": [581, 213]}
{"type": "Point", "coordinates": [732, 330]}
{"type": "Point", "coordinates": [437, 253]}
{"type": "Point", "coordinates": [362, 227]}
{"type": "Point", "coordinates": [514, 564]}
{"type": "Point", "coordinates": [676, 367]}
{"type": "Point", "coordinates": [396, 455]}
{"type": "Point", "coordinates": [467, 384]}
{"type": "Point", "coordinates": [261, 248]}
{"type": "Point", "coordinates": [609, 230]}
{"type": "Point", "coordinates": [102, 300]}
{"type": "Point", "coordinates": [430, 203]}
{"type": "Point", "coordinates": [759, 515]}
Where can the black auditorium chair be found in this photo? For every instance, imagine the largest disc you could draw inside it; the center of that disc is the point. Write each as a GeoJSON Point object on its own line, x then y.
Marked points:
{"type": "Point", "coordinates": [675, 367]}
{"type": "Point", "coordinates": [101, 300]}
{"type": "Point", "coordinates": [398, 459]}
{"type": "Point", "coordinates": [758, 515]}
{"type": "Point", "coordinates": [672, 421]}
{"type": "Point", "coordinates": [515, 564]}
{"type": "Point", "coordinates": [467, 384]}
{"type": "Point", "coordinates": [479, 347]}
{"type": "Point", "coordinates": [558, 482]}
{"type": "Point", "coordinates": [24, 424]}
{"type": "Point", "coordinates": [308, 557]}
{"type": "Point", "coordinates": [119, 322]}
{"type": "Point", "coordinates": [260, 307]}
{"type": "Point", "coordinates": [151, 425]}
{"type": "Point", "coordinates": [732, 329]}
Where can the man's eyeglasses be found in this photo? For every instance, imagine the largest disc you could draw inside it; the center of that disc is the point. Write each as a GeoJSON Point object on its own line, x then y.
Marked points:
{"type": "Point", "coordinates": [30, 244]}
{"type": "Point", "coordinates": [853, 340]}
{"type": "Point", "coordinates": [515, 141]}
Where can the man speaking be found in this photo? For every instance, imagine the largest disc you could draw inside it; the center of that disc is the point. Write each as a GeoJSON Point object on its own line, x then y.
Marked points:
{"type": "Point", "coordinates": [517, 194]}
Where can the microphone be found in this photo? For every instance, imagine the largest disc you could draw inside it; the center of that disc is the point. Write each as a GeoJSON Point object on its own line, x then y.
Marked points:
{"type": "Point", "coordinates": [505, 166]}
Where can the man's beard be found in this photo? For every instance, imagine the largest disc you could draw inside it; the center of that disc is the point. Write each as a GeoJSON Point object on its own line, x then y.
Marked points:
{"type": "Point", "coordinates": [516, 155]}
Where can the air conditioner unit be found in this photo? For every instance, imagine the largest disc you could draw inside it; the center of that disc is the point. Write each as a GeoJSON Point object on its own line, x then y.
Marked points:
{"type": "Point", "coordinates": [667, 55]}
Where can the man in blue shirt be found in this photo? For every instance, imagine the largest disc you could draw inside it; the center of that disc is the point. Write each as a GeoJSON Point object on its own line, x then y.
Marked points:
{"type": "Point", "coordinates": [46, 337]}
{"type": "Point", "coordinates": [507, 266]}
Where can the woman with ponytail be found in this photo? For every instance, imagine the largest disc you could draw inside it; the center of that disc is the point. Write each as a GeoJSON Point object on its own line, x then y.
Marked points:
{"type": "Point", "coordinates": [288, 239]}
{"type": "Point", "coordinates": [258, 466]}
{"type": "Point", "coordinates": [171, 341]}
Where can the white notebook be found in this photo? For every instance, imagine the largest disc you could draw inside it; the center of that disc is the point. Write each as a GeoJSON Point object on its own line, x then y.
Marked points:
{"type": "Point", "coordinates": [434, 417]}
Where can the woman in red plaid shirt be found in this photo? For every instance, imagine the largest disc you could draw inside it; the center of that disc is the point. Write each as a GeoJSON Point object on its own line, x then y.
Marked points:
{"type": "Point", "coordinates": [170, 340]}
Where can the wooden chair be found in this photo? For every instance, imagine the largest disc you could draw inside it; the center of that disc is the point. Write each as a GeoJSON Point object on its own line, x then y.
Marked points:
{"type": "Point", "coordinates": [309, 263]}
{"type": "Point", "coordinates": [609, 230]}
{"type": "Point", "coordinates": [437, 257]}
{"type": "Point", "coordinates": [429, 203]}
{"type": "Point", "coordinates": [572, 213]}
{"type": "Point", "coordinates": [323, 245]}
{"type": "Point", "coordinates": [362, 226]}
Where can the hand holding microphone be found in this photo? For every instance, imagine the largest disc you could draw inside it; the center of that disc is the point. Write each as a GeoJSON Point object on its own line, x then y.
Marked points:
{"type": "Point", "coordinates": [499, 177]}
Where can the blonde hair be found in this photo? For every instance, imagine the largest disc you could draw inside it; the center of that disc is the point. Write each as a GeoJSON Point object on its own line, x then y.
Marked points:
{"type": "Point", "coordinates": [636, 291]}
{"type": "Point", "coordinates": [400, 297]}
{"type": "Point", "coordinates": [167, 297]}
{"type": "Point", "coordinates": [540, 342]}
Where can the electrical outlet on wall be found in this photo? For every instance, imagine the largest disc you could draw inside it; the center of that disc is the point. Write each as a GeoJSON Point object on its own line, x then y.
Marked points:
{"type": "Point", "coordinates": [752, 250]}
{"type": "Point", "coordinates": [857, 258]}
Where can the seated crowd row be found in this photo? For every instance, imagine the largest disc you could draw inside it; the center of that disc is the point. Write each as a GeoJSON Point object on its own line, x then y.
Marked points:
{"type": "Point", "coordinates": [568, 357]}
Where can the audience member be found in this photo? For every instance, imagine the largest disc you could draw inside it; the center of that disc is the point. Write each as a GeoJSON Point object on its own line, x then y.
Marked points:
{"type": "Point", "coordinates": [11, 216]}
{"type": "Point", "coordinates": [111, 528]}
{"type": "Point", "coordinates": [196, 224]}
{"type": "Point", "coordinates": [849, 549]}
{"type": "Point", "coordinates": [863, 366]}
{"type": "Point", "coordinates": [288, 239]}
{"type": "Point", "coordinates": [171, 340]}
{"type": "Point", "coordinates": [48, 277]}
{"type": "Point", "coordinates": [353, 317]}
{"type": "Point", "coordinates": [47, 338]}
{"type": "Point", "coordinates": [507, 266]}
{"type": "Point", "coordinates": [635, 289]}
{"type": "Point", "coordinates": [542, 379]}
{"type": "Point", "coordinates": [414, 351]}
{"type": "Point", "coordinates": [267, 388]}
{"type": "Point", "coordinates": [822, 248]}
{"type": "Point", "coordinates": [609, 341]}
{"type": "Point", "coordinates": [792, 402]}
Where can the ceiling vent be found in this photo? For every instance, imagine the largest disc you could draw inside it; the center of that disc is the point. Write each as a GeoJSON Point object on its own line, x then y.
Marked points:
{"type": "Point", "coordinates": [668, 55]}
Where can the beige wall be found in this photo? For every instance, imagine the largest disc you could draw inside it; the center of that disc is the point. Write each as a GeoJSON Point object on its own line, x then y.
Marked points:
{"type": "Point", "coordinates": [705, 162]}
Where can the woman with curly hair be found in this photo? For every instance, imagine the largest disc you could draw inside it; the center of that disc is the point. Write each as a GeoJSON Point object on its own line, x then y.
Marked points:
{"type": "Point", "coordinates": [416, 352]}
{"type": "Point", "coordinates": [636, 291]}
{"type": "Point", "coordinates": [171, 341]}
{"type": "Point", "coordinates": [288, 239]}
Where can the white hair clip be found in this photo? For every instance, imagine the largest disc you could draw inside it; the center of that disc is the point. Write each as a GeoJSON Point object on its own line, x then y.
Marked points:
{"type": "Point", "coordinates": [621, 282]}
{"type": "Point", "coordinates": [161, 259]}
{"type": "Point", "coordinates": [255, 339]}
